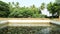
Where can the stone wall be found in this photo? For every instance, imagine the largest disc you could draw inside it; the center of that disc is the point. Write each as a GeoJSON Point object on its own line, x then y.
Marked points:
{"type": "Point", "coordinates": [28, 22]}
{"type": "Point", "coordinates": [24, 18]}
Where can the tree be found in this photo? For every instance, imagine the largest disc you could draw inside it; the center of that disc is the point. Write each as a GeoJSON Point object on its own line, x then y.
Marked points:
{"type": "Point", "coordinates": [35, 11]}
{"type": "Point", "coordinates": [20, 12]}
{"type": "Point", "coordinates": [50, 8]}
{"type": "Point", "coordinates": [58, 3]}
{"type": "Point", "coordinates": [42, 6]}
{"type": "Point", "coordinates": [4, 9]}
{"type": "Point", "coordinates": [53, 8]}
{"type": "Point", "coordinates": [13, 8]}
{"type": "Point", "coordinates": [24, 12]}
{"type": "Point", "coordinates": [57, 8]}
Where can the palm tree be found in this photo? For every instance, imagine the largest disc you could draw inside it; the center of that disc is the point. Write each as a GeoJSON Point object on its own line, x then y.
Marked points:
{"type": "Point", "coordinates": [42, 6]}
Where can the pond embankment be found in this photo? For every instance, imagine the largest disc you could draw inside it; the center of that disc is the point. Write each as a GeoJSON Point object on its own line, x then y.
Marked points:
{"type": "Point", "coordinates": [28, 26]}
{"type": "Point", "coordinates": [27, 21]}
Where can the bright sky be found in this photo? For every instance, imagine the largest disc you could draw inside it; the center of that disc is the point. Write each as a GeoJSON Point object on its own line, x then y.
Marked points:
{"type": "Point", "coordinates": [28, 3]}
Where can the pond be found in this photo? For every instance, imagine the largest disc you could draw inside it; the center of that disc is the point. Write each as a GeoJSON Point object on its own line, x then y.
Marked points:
{"type": "Point", "coordinates": [54, 29]}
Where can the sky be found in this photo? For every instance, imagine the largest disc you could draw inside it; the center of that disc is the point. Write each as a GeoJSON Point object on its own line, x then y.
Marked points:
{"type": "Point", "coordinates": [28, 3]}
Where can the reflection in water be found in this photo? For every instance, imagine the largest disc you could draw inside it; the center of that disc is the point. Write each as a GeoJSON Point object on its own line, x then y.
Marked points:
{"type": "Point", "coordinates": [45, 31]}
{"type": "Point", "coordinates": [55, 29]}
{"type": "Point", "coordinates": [31, 30]}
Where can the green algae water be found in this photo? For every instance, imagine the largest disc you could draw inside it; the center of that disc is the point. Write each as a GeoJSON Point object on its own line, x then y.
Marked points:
{"type": "Point", "coordinates": [31, 30]}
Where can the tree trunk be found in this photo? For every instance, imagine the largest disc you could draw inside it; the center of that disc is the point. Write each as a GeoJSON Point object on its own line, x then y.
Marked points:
{"type": "Point", "coordinates": [52, 15]}
{"type": "Point", "coordinates": [58, 14]}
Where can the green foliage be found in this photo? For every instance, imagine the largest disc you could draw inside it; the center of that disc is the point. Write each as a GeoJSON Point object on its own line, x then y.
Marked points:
{"type": "Point", "coordinates": [3, 6]}
{"type": "Point", "coordinates": [42, 6]}
{"type": "Point", "coordinates": [57, 1]}
{"type": "Point", "coordinates": [4, 9]}
{"type": "Point", "coordinates": [14, 10]}
{"type": "Point", "coordinates": [24, 12]}
{"type": "Point", "coordinates": [39, 16]}
{"type": "Point", "coordinates": [53, 8]}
